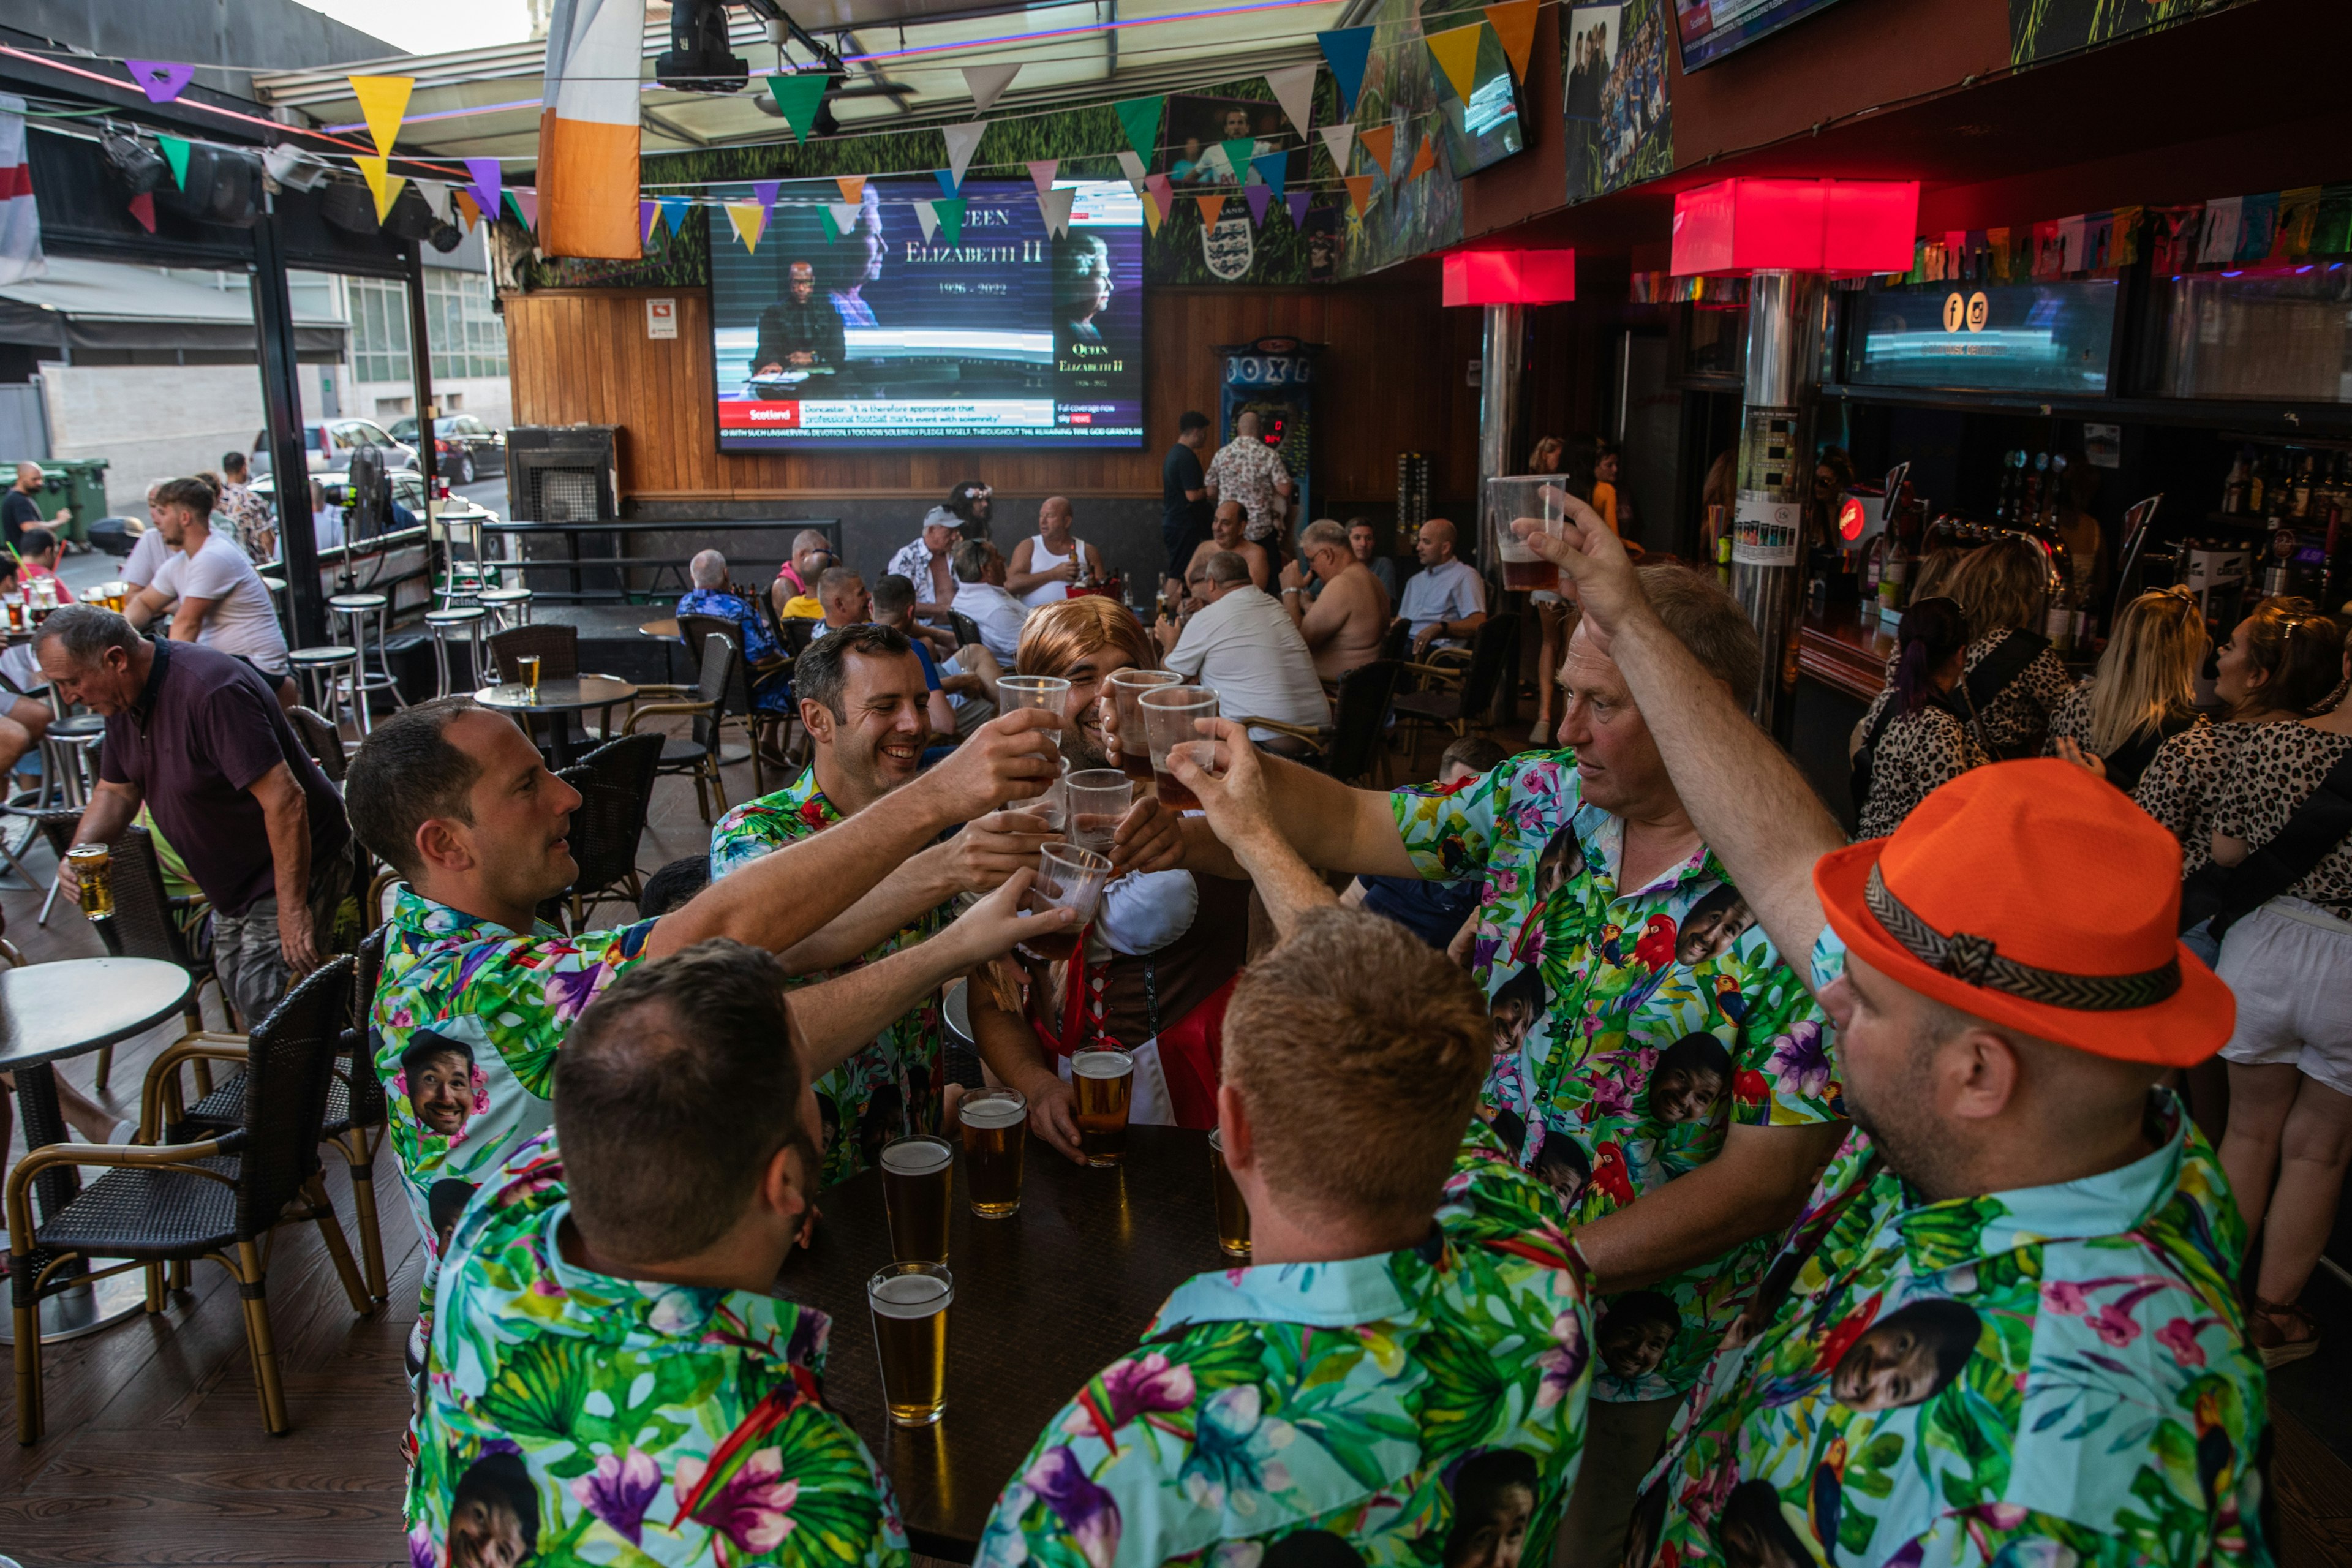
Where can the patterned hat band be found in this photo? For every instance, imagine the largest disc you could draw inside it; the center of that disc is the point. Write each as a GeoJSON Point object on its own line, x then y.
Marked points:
{"type": "Point", "coordinates": [1972, 960]}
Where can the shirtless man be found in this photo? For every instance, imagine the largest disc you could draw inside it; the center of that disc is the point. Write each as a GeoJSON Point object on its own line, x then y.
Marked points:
{"type": "Point", "coordinates": [1226, 533]}
{"type": "Point", "coordinates": [1344, 624]}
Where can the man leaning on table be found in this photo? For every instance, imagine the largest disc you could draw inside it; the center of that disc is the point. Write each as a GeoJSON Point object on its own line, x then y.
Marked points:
{"type": "Point", "coordinates": [1400, 1374]}
{"type": "Point", "coordinates": [2006, 1328]}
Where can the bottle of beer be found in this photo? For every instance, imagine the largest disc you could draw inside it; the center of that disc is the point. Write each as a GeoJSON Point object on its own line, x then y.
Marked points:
{"type": "Point", "coordinates": [2255, 487]}
{"type": "Point", "coordinates": [2299, 505]}
{"type": "Point", "coordinates": [2058, 623]}
{"type": "Point", "coordinates": [2233, 488]}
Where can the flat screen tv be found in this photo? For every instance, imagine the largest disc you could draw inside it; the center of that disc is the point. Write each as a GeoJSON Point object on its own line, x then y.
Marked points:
{"type": "Point", "coordinates": [849, 329]}
{"type": "Point", "coordinates": [2056, 336]}
{"type": "Point", "coordinates": [1711, 29]}
{"type": "Point", "coordinates": [1484, 128]}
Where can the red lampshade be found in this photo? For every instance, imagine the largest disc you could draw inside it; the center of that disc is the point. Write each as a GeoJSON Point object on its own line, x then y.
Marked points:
{"type": "Point", "coordinates": [1736, 226]}
{"type": "Point", "coordinates": [1510, 277]}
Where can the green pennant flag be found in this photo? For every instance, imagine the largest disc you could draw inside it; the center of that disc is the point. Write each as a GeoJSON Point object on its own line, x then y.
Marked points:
{"type": "Point", "coordinates": [798, 96]}
{"type": "Point", "coordinates": [825, 221]}
{"type": "Point", "coordinates": [1141, 118]}
{"type": "Point", "coordinates": [949, 210]}
{"type": "Point", "coordinates": [175, 152]}
{"type": "Point", "coordinates": [1237, 157]}
{"type": "Point", "coordinates": [514, 206]}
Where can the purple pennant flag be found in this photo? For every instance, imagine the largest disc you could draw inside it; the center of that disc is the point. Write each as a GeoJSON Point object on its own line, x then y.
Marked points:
{"type": "Point", "coordinates": [647, 211]}
{"type": "Point", "coordinates": [1297, 201]}
{"type": "Point", "coordinates": [162, 80]}
{"type": "Point", "coordinates": [764, 191]}
{"type": "Point", "coordinates": [488, 180]}
{"type": "Point", "coordinates": [1259, 199]}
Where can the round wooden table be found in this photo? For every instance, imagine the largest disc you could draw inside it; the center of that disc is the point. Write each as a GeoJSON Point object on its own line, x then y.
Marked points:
{"type": "Point", "coordinates": [662, 628]}
{"type": "Point", "coordinates": [558, 700]}
{"type": "Point", "coordinates": [70, 1007]}
{"type": "Point", "coordinates": [1044, 1298]}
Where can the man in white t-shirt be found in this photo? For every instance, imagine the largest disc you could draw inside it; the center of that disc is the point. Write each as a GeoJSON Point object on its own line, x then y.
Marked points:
{"type": "Point", "coordinates": [1242, 646]}
{"type": "Point", "coordinates": [216, 597]}
{"type": "Point", "coordinates": [980, 593]}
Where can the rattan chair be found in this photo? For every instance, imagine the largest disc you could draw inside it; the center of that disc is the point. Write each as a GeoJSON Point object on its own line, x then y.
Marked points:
{"type": "Point", "coordinates": [758, 725]}
{"type": "Point", "coordinates": [615, 782]}
{"type": "Point", "coordinates": [1349, 746]}
{"type": "Point", "coordinates": [321, 739]}
{"type": "Point", "coordinates": [697, 754]}
{"type": "Point", "coordinates": [1457, 689]}
{"type": "Point", "coordinates": [148, 922]}
{"type": "Point", "coordinates": [216, 1199]}
{"type": "Point", "coordinates": [556, 643]}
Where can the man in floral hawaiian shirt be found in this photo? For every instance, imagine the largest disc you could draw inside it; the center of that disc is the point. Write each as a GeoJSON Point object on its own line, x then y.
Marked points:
{"type": "Point", "coordinates": [1659, 1063]}
{"type": "Point", "coordinates": [2005, 1329]}
{"type": "Point", "coordinates": [459, 802]}
{"type": "Point", "coordinates": [611, 1379]}
{"type": "Point", "coordinates": [1372, 1387]}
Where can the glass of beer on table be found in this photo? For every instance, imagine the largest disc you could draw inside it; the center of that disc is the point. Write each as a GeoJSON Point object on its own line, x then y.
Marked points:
{"type": "Point", "coordinates": [1069, 878]}
{"type": "Point", "coordinates": [1014, 692]}
{"type": "Point", "coordinates": [1167, 719]}
{"type": "Point", "coordinates": [910, 1302]}
{"type": "Point", "coordinates": [1123, 690]}
{"type": "Point", "coordinates": [527, 673]}
{"type": "Point", "coordinates": [1098, 799]}
{"type": "Point", "coordinates": [1232, 1214]}
{"type": "Point", "coordinates": [93, 871]}
{"type": "Point", "coordinates": [918, 1177]}
{"type": "Point", "coordinates": [1104, 1081]}
{"type": "Point", "coordinates": [995, 1131]}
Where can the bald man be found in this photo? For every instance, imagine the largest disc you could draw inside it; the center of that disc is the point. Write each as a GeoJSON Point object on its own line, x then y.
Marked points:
{"type": "Point", "coordinates": [793, 593]}
{"type": "Point", "coordinates": [1226, 533]}
{"type": "Point", "coordinates": [1445, 601]}
{"type": "Point", "coordinates": [18, 510]}
{"type": "Point", "coordinates": [1248, 470]}
{"type": "Point", "coordinates": [1043, 567]}
{"type": "Point", "coordinates": [1344, 622]}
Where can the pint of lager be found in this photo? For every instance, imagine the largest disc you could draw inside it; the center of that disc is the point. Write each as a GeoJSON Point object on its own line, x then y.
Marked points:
{"type": "Point", "coordinates": [996, 1129]}
{"type": "Point", "coordinates": [918, 1174]}
{"type": "Point", "coordinates": [93, 865]}
{"type": "Point", "coordinates": [910, 1302]}
{"type": "Point", "coordinates": [1232, 1214]}
{"type": "Point", "coordinates": [1104, 1080]}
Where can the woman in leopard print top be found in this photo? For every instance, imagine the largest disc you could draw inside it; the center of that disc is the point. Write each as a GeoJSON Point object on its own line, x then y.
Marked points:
{"type": "Point", "coordinates": [1921, 744]}
{"type": "Point", "coordinates": [2142, 693]}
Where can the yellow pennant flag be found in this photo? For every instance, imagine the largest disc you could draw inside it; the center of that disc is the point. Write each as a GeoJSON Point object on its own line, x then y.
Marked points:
{"type": "Point", "coordinates": [383, 100]}
{"type": "Point", "coordinates": [1151, 211]}
{"type": "Point", "coordinates": [1210, 208]}
{"type": "Point", "coordinates": [1515, 24]}
{"type": "Point", "coordinates": [1359, 191]}
{"type": "Point", "coordinates": [382, 184]}
{"type": "Point", "coordinates": [853, 186]}
{"type": "Point", "coordinates": [1423, 161]}
{"type": "Point", "coordinates": [1456, 53]}
{"type": "Point", "coordinates": [751, 221]}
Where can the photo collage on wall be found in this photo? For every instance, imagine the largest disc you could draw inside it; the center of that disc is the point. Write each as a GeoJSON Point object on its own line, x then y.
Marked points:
{"type": "Point", "coordinates": [1620, 122]}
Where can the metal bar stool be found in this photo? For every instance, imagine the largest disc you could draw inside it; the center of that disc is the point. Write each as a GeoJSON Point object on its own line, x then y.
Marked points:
{"type": "Point", "coordinates": [507, 606]}
{"type": "Point", "coordinates": [358, 610]}
{"type": "Point", "coordinates": [68, 773]}
{"type": "Point", "coordinates": [465, 621]}
{"type": "Point", "coordinates": [323, 672]}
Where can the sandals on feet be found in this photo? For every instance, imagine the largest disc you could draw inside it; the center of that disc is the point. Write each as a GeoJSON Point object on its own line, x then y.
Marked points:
{"type": "Point", "coordinates": [2282, 1331]}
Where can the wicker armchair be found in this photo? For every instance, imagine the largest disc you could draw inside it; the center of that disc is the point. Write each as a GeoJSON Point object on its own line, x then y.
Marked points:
{"type": "Point", "coordinates": [556, 643]}
{"type": "Point", "coordinates": [217, 1199]}
{"type": "Point", "coordinates": [762, 729]}
{"type": "Point", "coordinates": [1457, 688]}
{"type": "Point", "coordinates": [697, 754]}
{"type": "Point", "coordinates": [1349, 746]}
{"type": "Point", "coordinates": [615, 782]}
{"type": "Point", "coordinates": [321, 739]}
{"type": "Point", "coordinates": [148, 924]}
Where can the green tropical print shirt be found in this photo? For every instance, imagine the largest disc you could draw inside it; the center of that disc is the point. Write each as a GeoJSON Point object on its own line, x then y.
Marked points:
{"type": "Point", "coordinates": [2050, 1375]}
{"type": "Point", "coordinates": [572, 1418]}
{"type": "Point", "coordinates": [895, 1085]}
{"type": "Point", "coordinates": [466, 1020]}
{"type": "Point", "coordinates": [1631, 1030]}
{"type": "Point", "coordinates": [1405, 1409]}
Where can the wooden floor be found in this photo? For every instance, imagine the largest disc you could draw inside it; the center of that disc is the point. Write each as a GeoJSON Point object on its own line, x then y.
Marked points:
{"type": "Point", "coordinates": [156, 1452]}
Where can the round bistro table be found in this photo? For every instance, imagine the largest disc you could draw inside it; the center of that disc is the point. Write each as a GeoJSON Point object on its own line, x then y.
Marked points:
{"type": "Point", "coordinates": [556, 700]}
{"type": "Point", "coordinates": [70, 1007]}
{"type": "Point", "coordinates": [1044, 1298]}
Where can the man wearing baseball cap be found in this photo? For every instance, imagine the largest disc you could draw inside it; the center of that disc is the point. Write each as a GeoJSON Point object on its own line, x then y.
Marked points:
{"type": "Point", "coordinates": [2005, 1326]}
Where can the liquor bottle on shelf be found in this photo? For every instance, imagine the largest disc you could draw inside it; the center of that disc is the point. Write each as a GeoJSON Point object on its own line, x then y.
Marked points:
{"type": "Point", "coordinates": [2299, 505]}
{"type": "Point", "coordinates": [2233, 488]}
{"type": "Point", "coordinates": [2255, 488]}
{"type": "Point", "coordinates": [2058, 622]}
{"type": "Point", "coordinates": [1894, 573]}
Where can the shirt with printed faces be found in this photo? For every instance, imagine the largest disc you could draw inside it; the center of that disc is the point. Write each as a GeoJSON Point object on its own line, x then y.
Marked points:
{"type": "Point", "coordinates": [895, 1085]}
{"type": "Point", "coordinates": [1421, 1407]}
{"type": "Point", "coordinates": [569, 1417]}
{"type": "Point", "coordinates": [2046, 1376]}
{"type": "Point", "coordinates": [1633, 1026]}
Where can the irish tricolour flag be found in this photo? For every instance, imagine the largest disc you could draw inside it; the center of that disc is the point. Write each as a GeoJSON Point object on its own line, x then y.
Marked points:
{"type": "Point", "coordinates": [588, 130]}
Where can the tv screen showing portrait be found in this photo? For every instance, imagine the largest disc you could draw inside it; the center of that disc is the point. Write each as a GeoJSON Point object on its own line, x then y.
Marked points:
{"type": "Point", "coordinates": [1711, 29]}
{"type": "Point", "coordinates": [849, 329]}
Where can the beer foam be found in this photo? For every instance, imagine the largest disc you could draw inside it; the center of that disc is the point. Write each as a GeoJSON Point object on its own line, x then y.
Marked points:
{"type": "Point", "coordinates": [915, 1156]}
{"type": "Point", "coordinates": [1102, 1064]}
{"type": "Point", "coordinates": [910, 1295]}
{"type": "Point", "coordinates": [992, 1111]}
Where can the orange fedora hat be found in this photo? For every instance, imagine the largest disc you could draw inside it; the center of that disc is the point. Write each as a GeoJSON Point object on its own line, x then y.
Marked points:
{"type": "Point", "coordinates": [2032, 894]}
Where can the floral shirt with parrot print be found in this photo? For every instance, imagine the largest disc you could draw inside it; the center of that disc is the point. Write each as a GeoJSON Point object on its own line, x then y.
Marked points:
{"type": "Point", "coordinates": [1631, 1028]}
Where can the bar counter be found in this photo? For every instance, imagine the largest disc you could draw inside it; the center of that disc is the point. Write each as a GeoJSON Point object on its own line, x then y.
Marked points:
{"type": "Point", "coordinates": [1837, 647]}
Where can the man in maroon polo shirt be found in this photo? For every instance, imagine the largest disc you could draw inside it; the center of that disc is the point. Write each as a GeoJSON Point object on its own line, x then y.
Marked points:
{"type": "Point", "coordinates": [198, 737]}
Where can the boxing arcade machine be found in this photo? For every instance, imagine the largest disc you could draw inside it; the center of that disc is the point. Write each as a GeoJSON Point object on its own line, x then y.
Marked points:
{"type": "Point", "coordinates": [1274, 378]}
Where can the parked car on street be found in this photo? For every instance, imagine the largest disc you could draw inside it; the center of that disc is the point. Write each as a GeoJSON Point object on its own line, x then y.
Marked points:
{"type": "Point", "coordinates": [407, 495]}
{"type": "Point", "coordinates": [329, 444]}
{"type": "Point", "coordinates": [464, 448]}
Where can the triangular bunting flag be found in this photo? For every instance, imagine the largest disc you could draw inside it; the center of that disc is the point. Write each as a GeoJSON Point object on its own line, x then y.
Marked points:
{"type": "Point", "coordinates": [1423, 159]}
{"type": "Point", "coordinates": [1514, 23]}
{"type": "Point", "coordinates": [1140, 118]}
{"type": "Point", "coordinates": [1359, 191]}
{"type": "Point", "coordinates": [142, 207]}
{"type": "Point", "coordinates": [1295, 90]}
{"type": "Point", "coordinates": [1162, 191]}
{"type": "Point", "coordinates": [825, 221]}
{"type": "Point", "coordinates": [1042, 171]}
{"type": "Point", "coordinates": [674, 210]}
{"type": "Point", "coordinates": [175, 152]}
{"type": "Point", "coordinates": [1455, 50]}
{"type": "Point", "coordinates": [1338, 139]}
{"type": "Point", "coordinates": [851, 187]}
{"type": "Point", "coordinates": [947, 181]}
{"type": "Point", "coordinates": [962, 141]}
{"type": "Point", "coordinates": [1347, 49]}
{"type": "Point", "coordinates": [764, 191]}
{"type": "Point", "coordinates": [526, 206]}
{"type": "Point", "coordinates": [1237, 151]}
{"type": "Point", "coordinates": [951, 211]}
{"type": "Point", "coordinates": [798, 95]}
{"type": "Point", "coordinates": [1297, 202]}
{"type": "Point", "coordinates": [844, 215]}
{"type": "Point", "coordinates": [436, 196]}
{"type": "Point", "coordinates": [384, 185]}
{"type": "Point", "coordinates": [1259, 199]}
{"type": "Point", "coordinates": [1152, 216]}
{"type": "Point", "coordinates": [1056, 205]}
{"type": "Point", "coordinates": [383, 100]}
{"type": "Point", "coordinates": [987, 82]}
{"type": "Point", "coordinates": [1273, 168]}
{"type": "Point", "coordinates": [1379, 146]}
{"type": "Point", "coordinates": [648, 214]}
{"type": "Point", "coordinates": [470, 210]}
{"type": "Point", "coordinates": [751, 221]}
{"type": "Point", "coordinates": [161, 81]}
{"type": "Point", "coordinates": [1213, 163]}
{"type": "Point", "coordinates": [488, 178]}
{"type": "Point", "coordinates": [928, 218]}
{"type": "Point", "coordinates": [1211, 208]}
{"type": "Point", "coordinates": [1131, 165]}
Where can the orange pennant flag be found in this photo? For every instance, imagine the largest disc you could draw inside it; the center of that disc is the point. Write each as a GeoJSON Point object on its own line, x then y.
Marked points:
{"type": "Point", "coordinates": [853, 186]}
{"type": "Point", "coordinates": [1455, 50]}
{"type": "Point", "coordinates": [1360, 192]}
{"type": "Point", "coordinates": [1422, 161]}
{"type": "Point", "coordinates": [1380, 144]}
{"type": "Point", "coordinates": [1514, 23]}
{"type": "Point", "coordinates": [1211, 207]}
{"type": "Point", "coordinates": [468, 208]}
